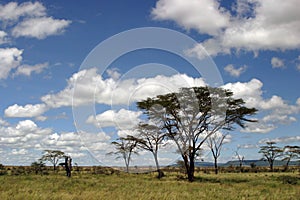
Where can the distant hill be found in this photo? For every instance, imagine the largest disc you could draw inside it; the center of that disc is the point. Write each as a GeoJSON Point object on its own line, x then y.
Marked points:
{"type": "Point", "coordinates": [259, 163]}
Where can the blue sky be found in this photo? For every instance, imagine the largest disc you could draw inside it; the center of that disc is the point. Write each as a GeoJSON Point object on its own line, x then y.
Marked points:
{"type": "Point", "coordinates": [253, 43]}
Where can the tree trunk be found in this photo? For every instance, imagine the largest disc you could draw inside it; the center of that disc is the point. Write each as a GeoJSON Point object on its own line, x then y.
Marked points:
{"type": "Point", "coordinates": [271, 166]}
{"type": "Point", "coordinates": [191, 169]}
{"type": "Point", "coordinates": [127, 167]}
{"type": "Point", "coordinates": [160, 174]}
{"type": "Point", "coordinates": [216, 166]}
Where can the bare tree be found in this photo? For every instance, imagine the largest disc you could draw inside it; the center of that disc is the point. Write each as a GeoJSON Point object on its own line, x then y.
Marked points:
{"type": "Point", "coordinates": [215, 143]}
{"type": "Point", "coordinates": [270, 153]}
{"type": "Point", "coordinates": [52, 156]}
{"type": "Point", "coordinates": [189, 113]}
{"type": "Point", "coordinates": [150, 138]}
{"type": "Point", "coordinates": [240, 159]}
{"type": "Point", "coordinates": [124, 149]}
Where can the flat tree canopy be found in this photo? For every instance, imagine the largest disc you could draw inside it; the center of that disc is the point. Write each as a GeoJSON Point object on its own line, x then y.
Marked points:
{"type": "Point", "coordinates": [190, 116]}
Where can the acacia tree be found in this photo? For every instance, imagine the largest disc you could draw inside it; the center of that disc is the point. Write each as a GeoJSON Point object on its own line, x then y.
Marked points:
{"type": "Point", "coordinates": [290, 153]}
{"type": "Point", "coordinates": [188, 114]}
{"type": "Point", "coordinates": [270, 153]}
{"type": "Point", "coordinates": [124, 149]}
{"type": "Point", "coordinates": [150, 138]}
{"type": "Point", "coordinates": [215, 143]}
{"type": "Point", "coordinates": [52, 156]}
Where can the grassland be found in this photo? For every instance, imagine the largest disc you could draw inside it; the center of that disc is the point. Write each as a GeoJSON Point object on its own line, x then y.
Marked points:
{"type": "Point", "coordinates": [146, 186]}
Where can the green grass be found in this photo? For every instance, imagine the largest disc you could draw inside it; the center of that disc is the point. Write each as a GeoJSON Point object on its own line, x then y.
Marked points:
{"type": "Point", "coordinates": [146, 186]}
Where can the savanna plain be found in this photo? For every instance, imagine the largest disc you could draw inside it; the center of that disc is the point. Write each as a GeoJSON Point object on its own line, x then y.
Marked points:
{"type": "Point", "coordinates": [264, 185]}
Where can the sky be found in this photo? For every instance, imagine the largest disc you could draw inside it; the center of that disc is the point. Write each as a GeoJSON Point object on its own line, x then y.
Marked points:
{"type": "Point", "coordinates": [71, 72]}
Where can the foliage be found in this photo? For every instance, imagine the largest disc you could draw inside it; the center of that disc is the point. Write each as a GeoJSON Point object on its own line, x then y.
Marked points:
{"type": "Point", "coordinates": [270, 153]}
{"type": "Point", "coordinates": [38, 166]}
{"type": "Point", "coordinates": [52, 156]}
{"type": "Point", "coordinates": [291, 153]}
{"type": "Point", "coordinates": [192, 115]}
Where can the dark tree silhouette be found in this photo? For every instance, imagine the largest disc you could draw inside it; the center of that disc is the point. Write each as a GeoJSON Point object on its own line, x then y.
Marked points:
{"type": "Point", "coordinates": [193, 112]}
{"type": "Point", "coordinates": [52, 156]}
{"type": "Point", "coordinates": [38, 166]}
{"type": "Point", "coordinates": [270, 153]}
{"type": "Point", "coordinates": [68, 165]}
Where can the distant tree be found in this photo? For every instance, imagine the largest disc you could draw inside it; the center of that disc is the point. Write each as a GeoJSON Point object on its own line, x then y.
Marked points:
{"type": "Point", "coordinates": [150, 138]}
{"type": "Point", "coordinates": [215, 143]}
{"type": "Point", "coordinates": [270, 153]}
{"type": "Point", "coordinates": [291, 153]}
{"type": "Point", "coordinates": [188, 114]}
{"type": "Point", "coordinates": [124, 149]}
{"type": "Point", "coordinates": [52, 156]}
{"type": "Point", "coordinates": [240, 159]}
{"type": "Point", "coordinates": [38, 166]}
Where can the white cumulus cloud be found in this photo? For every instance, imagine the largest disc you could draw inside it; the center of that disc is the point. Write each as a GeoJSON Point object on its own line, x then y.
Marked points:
{"type": "Point", "coordinates": [258, 25]}
{"type": "Point", "coordinates": [205, 16]}
{"type": "Point", "coordinates": [10, 58]}
{"type": "Point", "coordinates": [235, 72]}
{"type": "Point", "coordinates": [27, 70]}
{"type": "Point", "coordinates": [28, 110]}
{"type": "Point", "coordinates": [40, 28]}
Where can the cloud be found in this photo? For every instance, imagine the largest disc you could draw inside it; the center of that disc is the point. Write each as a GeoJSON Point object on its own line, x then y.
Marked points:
{"type": "Point", "coordinates": [122, 119]}
{"type": "Point", "coordinates": [10, 58]}
{"type": "Point", "coordinates": [27, 70]}
{"type": "Point", "coordinates": [3, 37]}
{"type": "Point", "coordinates": [91, 86]}
{"type": "Point", "coordinates": [25, 134]}
{"type": "Point", "coordinates": [12, 11]}
{"type": "Point", "coordinates": [30, 20]}
{"type": "Point", "coordinates": [286, 140]}
{"type": "Point", "coordinates": [28, 110]}
{"type": "Point", "coordinates": [40, 28]}
{"type": "Point", "coordinates": [258, 25]}
{"type": "Point", "coordinates": [113, 73]}
{"type": "Point", "coordinates": [277, 62]}
{"type": "Point", "coordinates": [205, 16]}
{"type": "Point", "coordinates": [235, 72]}
{"type": "Point", "coordinates": [275, 110]}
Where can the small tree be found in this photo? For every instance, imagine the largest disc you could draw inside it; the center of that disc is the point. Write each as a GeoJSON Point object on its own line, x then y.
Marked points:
{"type": "Point", "coordinates": [291, 153]}
{"type": "Point", "coordinates": [240, 159]}
{"type": "Point", "coordinates": [124, 148]}
{"type": "Point", "coordinates": [215, 143]}
{"type": "Point", "coordinates": [38, 166]}
{"type": "Point", "coordinates": [270, 153]}
{"type": "Point", "coordinates": [53, 156]}
{"type": "Point", "coordinates": [150, 137]}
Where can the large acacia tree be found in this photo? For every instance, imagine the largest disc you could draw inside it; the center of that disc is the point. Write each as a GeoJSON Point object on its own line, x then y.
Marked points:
{"type": "Point", "coordinates": [192, 115]}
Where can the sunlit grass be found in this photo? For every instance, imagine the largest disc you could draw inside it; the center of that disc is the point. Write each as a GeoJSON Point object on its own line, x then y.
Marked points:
{"type": "Point", "coordinates": [146, 186]}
